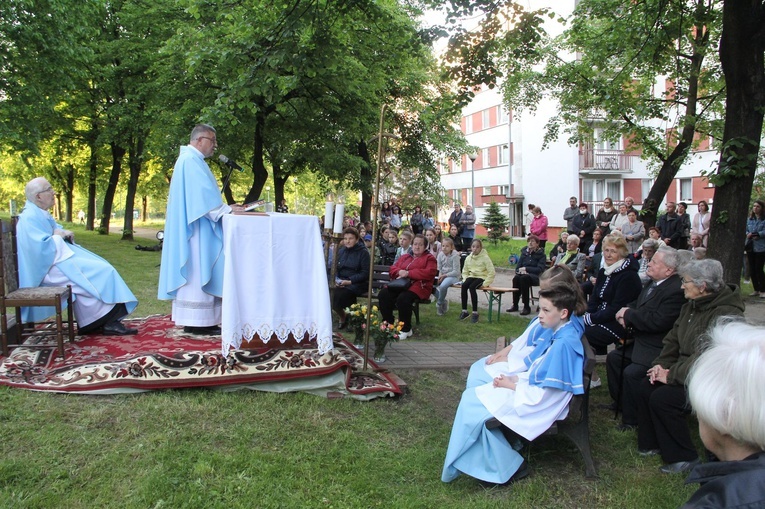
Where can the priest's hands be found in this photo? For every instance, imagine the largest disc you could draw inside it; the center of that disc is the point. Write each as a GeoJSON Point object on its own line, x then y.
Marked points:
{"type": "Point", "coordinates": [64, 234]}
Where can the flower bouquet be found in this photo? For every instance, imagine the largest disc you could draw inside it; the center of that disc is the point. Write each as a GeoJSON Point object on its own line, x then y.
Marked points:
{"type": "Point", "coordinates": [383, 334]}
{"type": "Point", "coordinates": [356, 318]}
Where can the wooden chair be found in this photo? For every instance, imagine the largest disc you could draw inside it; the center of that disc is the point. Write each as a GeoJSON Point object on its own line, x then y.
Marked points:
{"type": "Point", "coordinates": [13, 331]}
{"type": "Point", "coordinates": [576, 425]}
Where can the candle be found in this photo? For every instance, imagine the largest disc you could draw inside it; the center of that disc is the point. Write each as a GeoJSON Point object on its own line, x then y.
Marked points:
{"type": "Point", "coordinates": [329, 208]}
{"type": "Point", "coordinates": [339, 216]}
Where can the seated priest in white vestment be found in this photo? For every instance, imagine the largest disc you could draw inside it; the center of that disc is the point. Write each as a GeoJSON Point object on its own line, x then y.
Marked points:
{"type": "Point", "coordinates": [527, 386]}
{"type": "Point", "coordinates": [48, 256]}
{"type": "Point", "coordinates": [191, 274]}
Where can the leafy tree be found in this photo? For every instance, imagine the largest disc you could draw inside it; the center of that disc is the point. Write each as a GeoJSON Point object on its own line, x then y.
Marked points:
{"type": "Point", "coordinates": [622, 49]}
{"type": "Point", "coordinates": [495, 223]}
{"type": "Point", "coordinates": [742, 53]}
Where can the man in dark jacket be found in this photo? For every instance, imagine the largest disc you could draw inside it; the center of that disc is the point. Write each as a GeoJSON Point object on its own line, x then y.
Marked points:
{"type": "Point", "coordinates": [455, 218]}
{"type": "Point", "coordinates": [670, 226]}
{"type": "Point", "coordinates": [582, 225]}
{"type": "Point", "coordinates": [648, 319]}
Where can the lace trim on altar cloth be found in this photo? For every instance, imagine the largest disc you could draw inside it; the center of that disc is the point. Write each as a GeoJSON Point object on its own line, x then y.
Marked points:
{"type": "Point", "coordinates": [233, 339]}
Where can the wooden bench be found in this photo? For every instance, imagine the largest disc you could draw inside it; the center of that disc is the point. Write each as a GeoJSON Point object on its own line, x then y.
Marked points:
{"type": "Point", "coordinates": [380, 279]}
{"type": "Point", "coordinates": [576, 425]}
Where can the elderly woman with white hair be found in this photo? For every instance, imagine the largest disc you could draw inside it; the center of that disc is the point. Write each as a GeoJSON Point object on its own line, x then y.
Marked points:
{"type": "Point", "coordinates": [661, 401]}
{"type": "Point", "coordinates": [572, 258]}
{"type": "Point", "coordinates": [731, 417]}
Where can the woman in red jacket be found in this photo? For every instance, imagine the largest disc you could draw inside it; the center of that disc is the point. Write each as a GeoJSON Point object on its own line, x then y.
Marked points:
{"type": "Point", "coordinates": [538, 226]}
{"type": "Point", "coordinates": [421, 269]}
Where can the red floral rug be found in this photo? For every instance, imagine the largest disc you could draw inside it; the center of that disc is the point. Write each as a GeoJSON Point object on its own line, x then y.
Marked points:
{"type": "Point", "coordinates": [161, 356]}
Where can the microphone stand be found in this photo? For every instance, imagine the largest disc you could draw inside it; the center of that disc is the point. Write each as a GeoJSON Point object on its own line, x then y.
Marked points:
{"type": "Point", "coordinates": [228, 178]}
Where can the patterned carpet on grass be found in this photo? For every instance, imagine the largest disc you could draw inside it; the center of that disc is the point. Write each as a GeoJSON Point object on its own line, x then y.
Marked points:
{"type": "Point", "coordinates": [161, 356]}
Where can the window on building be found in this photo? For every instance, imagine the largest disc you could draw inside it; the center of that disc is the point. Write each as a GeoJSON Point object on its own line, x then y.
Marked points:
{"type": "Point", "coordinates": [443, 163]}
{"type": "Point", "coordinates": [457, 163]}
{"type": "Point", "coordinates": [597, 190]}
{"type": "Point", "coordinates": [456, 194]}
{"type": "Point", "coordinates": [503, 116]}
{"type": "Point", "coordinates": [487, 191]}
{"type": "Point", "coordinates": [504, 154]}
{"type": "Point", "coordinates": [485, 119]}
{"type": "Point", "coordinates": [469, 124]}
{"type": "Point", "coordinates": [602, 143]}
{"type": "Point", "coordinates": [686, 190]}
{"type": "Point", "coordinates": [485, 161]}
{"type": "Point", "coordinates": [502, 191]}
{"type": "Point", "coordinates": [645, 187]}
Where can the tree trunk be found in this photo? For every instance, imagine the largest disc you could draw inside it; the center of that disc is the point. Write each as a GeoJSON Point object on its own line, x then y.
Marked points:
{"type": "Point", "coordinates": [742, 54]}
{"type": "Point", "coordinates": [144, 209]}
{"type": "Point", "coordinates": [279, 182]}
{"type": "Point", "coordinates": [260, 174]}
{"type": "Point", "coordinates": [92, 173]}
{"type": "Point", "coordinates": [106, 211]}
{"type": "Point", "coordinates": [135, 160]}
{"type": "Point", "coordinates": [70, 191]}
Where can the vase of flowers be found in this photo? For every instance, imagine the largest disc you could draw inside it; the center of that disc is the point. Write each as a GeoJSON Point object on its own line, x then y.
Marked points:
{"type": "Point", "coordinates": [356, 318]}
{"type": "Point", "coordinates": [383, 334]}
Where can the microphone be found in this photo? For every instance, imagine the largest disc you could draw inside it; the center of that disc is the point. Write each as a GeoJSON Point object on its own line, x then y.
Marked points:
{"type": "Point", "coordinates": [228, 162]}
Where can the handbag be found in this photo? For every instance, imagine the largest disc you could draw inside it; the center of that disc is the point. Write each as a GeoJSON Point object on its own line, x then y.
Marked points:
{"type": "Point", "coordinates": [749, 246]}
{"type": "Point", "coordinates": [401, 283]}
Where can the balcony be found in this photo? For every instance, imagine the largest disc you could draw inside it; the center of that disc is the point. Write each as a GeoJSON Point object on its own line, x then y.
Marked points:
{"type": "Point", "coordinates": [595, 161]}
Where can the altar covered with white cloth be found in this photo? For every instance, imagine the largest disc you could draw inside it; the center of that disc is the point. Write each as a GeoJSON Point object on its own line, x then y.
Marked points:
{"type": "Point", "coordinates": [274, 281]}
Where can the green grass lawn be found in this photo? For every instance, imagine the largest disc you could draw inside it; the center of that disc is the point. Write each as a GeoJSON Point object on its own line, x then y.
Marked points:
{"type": "Point", "coordinates": [208, 448]}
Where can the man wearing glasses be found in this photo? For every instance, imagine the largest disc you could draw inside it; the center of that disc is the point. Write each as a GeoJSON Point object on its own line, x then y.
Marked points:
{"type": "Point", "coordinates": [48, 256]}
{"type": "Point", "coordinates": [191, 274]}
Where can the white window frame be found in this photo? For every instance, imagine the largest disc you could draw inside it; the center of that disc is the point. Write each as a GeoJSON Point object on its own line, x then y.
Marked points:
{"type": "Point", "coordinates": [503, 154]}
{"type": "Point", "coordinates": [485, 158]}
{"type": "Point", "coordinates": [502, 116]}
{"type": "Point", "coordinates": [503, 190]}
{"type": "Point", "coordinates": [596, 190]}
{"type": "Point", "coordinates": [680, 193]}
{"type": "Point", "coordinates": [456, 195]}
{"type": "Point", "coordinates": [486, 191]}
{"type": "Point", "coordinates": [468, 124]}
{"type": "Point", "coordinates": [485, 119]}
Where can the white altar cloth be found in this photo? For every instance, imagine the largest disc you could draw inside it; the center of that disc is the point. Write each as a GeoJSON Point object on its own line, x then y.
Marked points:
{"type": "Point", "coordinates": [274, 280]}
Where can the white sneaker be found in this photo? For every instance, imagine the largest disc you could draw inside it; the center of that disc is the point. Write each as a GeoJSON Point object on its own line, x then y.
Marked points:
{"type": "Point", "coordinates": [403, 335]}
{"type": "Point", "coordinates": [595, 383]}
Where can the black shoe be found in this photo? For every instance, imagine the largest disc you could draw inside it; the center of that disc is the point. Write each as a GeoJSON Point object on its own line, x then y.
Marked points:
{"type": "Point", "coordinates": [463, 315]}
{"type": "Point", "coordinates": [526, 311]}
{"type": "Point", "coordinates": [513, 309]}
{"type": "Point", "coordinates": [118, 328]}
{"type": "Point", "coordinates": [522, 473]}
{"type": "Point", "coordinates": [474, 318]}
{"type": "Point", "coordinates": [649, 452]}
{"type": "Point", "coordinates": [212, 330]}
{"type": "Point", "coordinates": [678, 468]}
{"type": "Point", "coordinates": [608, 406]}
{"type": "Point", "coordinates": [626, 427]}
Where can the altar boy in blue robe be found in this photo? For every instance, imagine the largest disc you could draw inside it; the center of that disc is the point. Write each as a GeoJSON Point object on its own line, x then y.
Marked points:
{"type": "Point", "coordinates": [530, 390]}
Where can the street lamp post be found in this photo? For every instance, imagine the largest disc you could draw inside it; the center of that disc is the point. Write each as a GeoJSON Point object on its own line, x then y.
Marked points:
{"type": "Point", "coordinates": [472, 156]}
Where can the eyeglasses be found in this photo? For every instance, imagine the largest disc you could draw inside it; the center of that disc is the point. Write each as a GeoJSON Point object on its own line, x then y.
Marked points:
{"type": "Point", "coordinates": [686, 281]}
{"type": "Point", "coordinates": [48, 190]}
{"type": "Point", "coordinates": [213, 140]}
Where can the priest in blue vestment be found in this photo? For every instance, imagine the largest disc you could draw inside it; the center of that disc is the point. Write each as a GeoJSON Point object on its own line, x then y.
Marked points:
{"type": "Point", "coordinates": [191, 274]}
{"type": "Point", "coordinates": [48, 256]}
